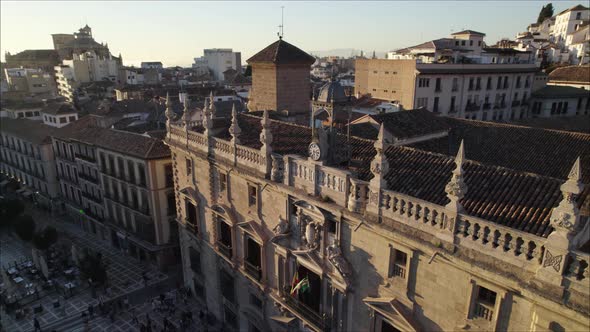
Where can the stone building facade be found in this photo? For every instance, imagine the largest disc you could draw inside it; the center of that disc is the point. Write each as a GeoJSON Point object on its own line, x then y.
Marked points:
{"type": "Point", "coordinates": [118, 186]}
{"type": "Point", "coordinates": [27, 156]}
{"type": "Point", "coordinates": [275, 237]}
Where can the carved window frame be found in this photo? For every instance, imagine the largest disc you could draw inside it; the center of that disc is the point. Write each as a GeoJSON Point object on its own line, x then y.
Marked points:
{"type": "Point", "coordinates": [220, 214]}
{"type": "Point", "coordinates": [394, 279]}
{"type": "Point", "coordinates": [222, 194]}
{"type": "Point", "coordinates": [501, 293]}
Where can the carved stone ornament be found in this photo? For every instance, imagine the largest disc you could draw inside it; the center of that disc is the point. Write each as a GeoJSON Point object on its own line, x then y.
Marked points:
{"type": "Point", "coordinates": [282, 228]}
{"type": "Point", "coordinates": [340, 263]}
{"type": "Point", "coordinates": [565, 221]}
{"type": "Point", "coordinates": [554, 261]}
{"type": "Point", "coordinates": [376, 168]}
{"type": "Point", "coordinates": [312, 235]}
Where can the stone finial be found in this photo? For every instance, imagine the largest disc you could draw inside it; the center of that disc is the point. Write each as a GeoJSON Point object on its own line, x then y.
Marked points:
{"type": "Point", "coordinates": [211, 104]}
{"type": "Point", "coordinates": [456, 188]}
{"type": "Point", "coordinates": [380, 165]}
{"type": "Point", "coordinates": [169, 113]}
{"type": "Point", "coordinates": [266, 134]}
{"type": "Point", "coordinates": [566, 215]}
{"type": "Point", "coordinates": [235, 129]}
{"type": "Point", "coordinates": [185, 115]}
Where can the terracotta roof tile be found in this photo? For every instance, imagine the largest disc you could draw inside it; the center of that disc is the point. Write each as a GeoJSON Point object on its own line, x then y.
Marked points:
{"type": "Point", "coordinates": [281, 52]}
{"type": "Point", "coordinates": [571, 74]}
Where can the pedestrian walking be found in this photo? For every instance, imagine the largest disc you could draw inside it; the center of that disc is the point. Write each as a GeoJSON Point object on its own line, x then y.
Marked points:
{"type": "Point", "coordinates": [37, 324]}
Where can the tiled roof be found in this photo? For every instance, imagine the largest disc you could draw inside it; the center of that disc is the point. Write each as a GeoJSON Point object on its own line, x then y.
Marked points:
{"type": "Point", "coordinates": [133, 144]}
{"type": "Point", "coordinates": [571, 74]}
{"type": "Point", "coordinates": [558, 91]}
{"type": "Point", "coordinates": [507, 197]}
{"type": "Point", "coordinates": [545, 152]}
{"type": "Point", "coordinates": [577, 123]}
{"type": "Point", "coordinates": [471, 32]}
{"type": "Point", "coordinates": [577, 7]}
{"type": "Point", "coordinates": [59, 108]}
{"type": "Point", "coordinates": [29, 130]}
{"type": "Point", "coordinates": [511, 196]}
{"type": "Point", "coordinates": [281, 52]}
{"type": "Point", "coordinates": [410, 123]}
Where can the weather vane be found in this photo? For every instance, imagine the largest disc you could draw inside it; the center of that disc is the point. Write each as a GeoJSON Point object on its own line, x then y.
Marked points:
{"type": "Point", "coordinates": [281, 33]}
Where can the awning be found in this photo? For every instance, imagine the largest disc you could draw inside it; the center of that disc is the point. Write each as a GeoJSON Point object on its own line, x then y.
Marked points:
{"type": "Point", "coordinates": [3, 183]}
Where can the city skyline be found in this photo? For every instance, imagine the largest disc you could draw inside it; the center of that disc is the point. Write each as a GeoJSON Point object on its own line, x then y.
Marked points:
{"type": "Point", "coordinates": [188, 27]}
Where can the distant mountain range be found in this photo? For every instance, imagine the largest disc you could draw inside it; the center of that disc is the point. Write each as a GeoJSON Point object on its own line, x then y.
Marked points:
{"type": "Point", "coordinates": [347, 52]}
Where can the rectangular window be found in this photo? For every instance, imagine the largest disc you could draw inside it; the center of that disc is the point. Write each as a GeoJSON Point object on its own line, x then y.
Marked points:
{"type": "Point", "coordinates": [455, 84]}
{"type": "Point", "coordinates": [398, 263]}
{"type": "Point", "coordinates": [253, 259]}
{"type": "Point", "coordinates": [422, 102]}
{"type": "Point", "coordinates": [62, 120]}
{"type": "Point", "coordinates": [423, 82]}
{"type": "Point", "coordinates": [131, 170]}
{"type": "Point", "coordinates": [72, 118]}
{"type": "Point", "coordinates": [195, 260]}
{"type": "Point", "coordinates": [169, 175]}
{"type": "Point", "coordinates": [470, 84]}
{"type": "Point", "coordinates": [452, 107]}
{"type": "Point", "coordinates": [191, 217]}
{"type": "Point", "coordinates": [225, 238]}
{"type": "Point", "coordinates": [226, 282]}
{"type": "Point", "coordinates": [141, 171]}
{"type": "Point", "coordinates": [435, 106]}
{"type": "Point", "coordinates": [489, 84]}
{"type": "Point", "coordinates": [222, 182]}
{"type": "Point", "coordinates": [438, 86]}
{"type": "Point", "coordinates": [252, 195]}
{"type": "Point", "coordinates": [189, 166]}
{"type": "Point", "coordinates": [478, 84]}
{"type": "Point", "coordinates": [485, 302]}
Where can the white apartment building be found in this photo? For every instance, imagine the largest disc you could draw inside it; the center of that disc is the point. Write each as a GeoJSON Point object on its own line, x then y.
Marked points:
{"type": "Point", "coordinates": [30, 82]}
{"type": "Point", "coordinates": [84, 67]}
{"type": "Point", "coordinates": [218, 60]}
{"type": "Point", "coordinates": [568, 21]}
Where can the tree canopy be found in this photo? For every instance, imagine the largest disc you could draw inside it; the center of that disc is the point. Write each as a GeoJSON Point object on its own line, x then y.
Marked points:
{"type": "Point", "coordinates": [546, 12]}
{"type": "Point", "coordinates": [93, 267]}
{"type": "Point", "coordinates": [46, 238]}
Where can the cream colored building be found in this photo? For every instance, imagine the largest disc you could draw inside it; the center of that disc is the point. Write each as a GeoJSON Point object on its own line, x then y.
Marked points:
{"type": "Point", "coordinates": [389, 238]}
{"type": "Point", "coordinates": [118, 185]}
{"type": "Point", "coordinates": [27, 156]}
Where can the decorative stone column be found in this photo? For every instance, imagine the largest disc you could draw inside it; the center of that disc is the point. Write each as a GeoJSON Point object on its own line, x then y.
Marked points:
{"type": "Point", "coordinates": [357, 195]}
{"type": "Point", "coordinates": [565, 220]}
{"type": "Point", "coordinates": [379, 167]}
{"type": "Point", "coordinates": [456, 190]}
{"type": "Point", "coordinates": [266, 140]}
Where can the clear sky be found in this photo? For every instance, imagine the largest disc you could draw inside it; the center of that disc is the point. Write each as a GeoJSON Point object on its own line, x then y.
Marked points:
{"type": "Point", "coordinates": [175, 32]}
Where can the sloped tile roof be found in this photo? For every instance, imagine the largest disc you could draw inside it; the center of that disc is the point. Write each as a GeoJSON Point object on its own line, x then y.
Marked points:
{"type": "Point", "coordinates": [411, 123]}
{"type": "Point", "coordinates": [502, 186]}
{"type": "Point", "coordinates": [32, 131]}
{"type": "Point", "coordinates": [558, 91]}
{"type": "Point", "coordinates": [281, 52]}
{"type": "Point", "coordinates": [571, 74]}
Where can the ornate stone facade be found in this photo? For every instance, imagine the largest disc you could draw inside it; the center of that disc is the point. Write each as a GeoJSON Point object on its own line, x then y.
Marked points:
{"type": "Point", "coordinates": [373, 258]}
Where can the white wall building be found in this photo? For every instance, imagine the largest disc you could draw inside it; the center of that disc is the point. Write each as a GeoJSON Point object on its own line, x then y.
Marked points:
{"type": "Point", "coordinates": [218, 60]}
{"type": "Point", "coordinates": [568, 21]}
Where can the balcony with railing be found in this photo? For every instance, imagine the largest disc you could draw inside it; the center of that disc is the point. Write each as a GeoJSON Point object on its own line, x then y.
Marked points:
{"type": "Point", "coordinates": [399, 271]}
{"type": "Point", "coordinates": [92, 198]}
{"type": "Point", "coordinates": [86, 158]}
{"type": "Point", "coordinates": [486, 106]}
{"type": "Point", "coordinates": [321, 321]}
{"type": "Point", "coordinates": [224, 249]}
{"type": "Point", "coordinates": [253, 270]}
{"type": "Point", "coordinates": [483, 310]}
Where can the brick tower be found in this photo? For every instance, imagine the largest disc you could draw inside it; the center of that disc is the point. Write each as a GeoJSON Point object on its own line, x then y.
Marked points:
{"type": "Point", "coordinates": [280, 81]}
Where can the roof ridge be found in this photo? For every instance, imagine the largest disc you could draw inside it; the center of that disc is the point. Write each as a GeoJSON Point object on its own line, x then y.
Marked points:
{"type": "Point", "coordinates": [524, 126]}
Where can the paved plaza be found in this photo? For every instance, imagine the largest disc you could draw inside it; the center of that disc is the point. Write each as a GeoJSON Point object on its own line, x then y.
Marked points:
{"type": "Point", "coordinates": [125, 276]}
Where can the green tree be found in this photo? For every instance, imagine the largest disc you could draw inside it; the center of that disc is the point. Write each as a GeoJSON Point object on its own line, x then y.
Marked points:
{"type": "Point", "coordinates": [546, 12]}
{"type": "Point", "coordinates": [9, 210]}
{"type": "Point", "coordinates": [24, 227]}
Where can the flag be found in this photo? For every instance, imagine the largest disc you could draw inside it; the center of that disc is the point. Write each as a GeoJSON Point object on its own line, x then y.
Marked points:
{"type": "Point", "coordinates": [294, 282]}
{"type": "Point", "coordinates": [301, 287]}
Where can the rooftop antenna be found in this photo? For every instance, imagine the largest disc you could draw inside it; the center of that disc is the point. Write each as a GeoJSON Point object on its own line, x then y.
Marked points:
{"type": "Point", "coordinates": [281, 32]}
